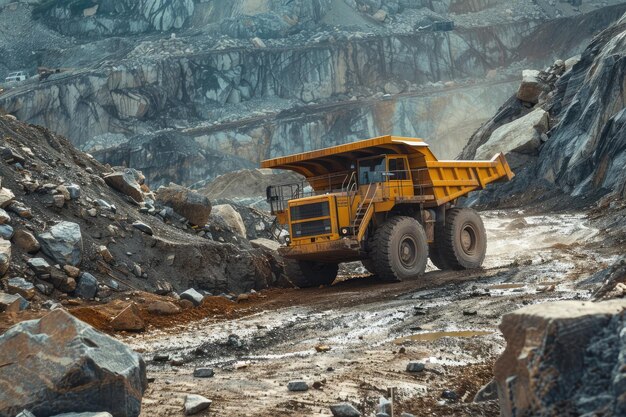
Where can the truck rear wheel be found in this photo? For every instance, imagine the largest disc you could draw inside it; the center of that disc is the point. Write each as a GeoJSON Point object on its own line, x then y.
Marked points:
{"type": "Point", "coordinates": [435, 257]}
{"type": "Point", "coordinates": [368, 264]}
{"type": "Point", "coordinates": [464, 241]}
{"type": "Point", "coordinates": [305, 274]}
{"type": "Point", "coordinates": [399, 249]}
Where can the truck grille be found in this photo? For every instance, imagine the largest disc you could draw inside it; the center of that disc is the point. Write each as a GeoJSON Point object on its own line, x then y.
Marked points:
{"type": "Point", "coordinates": [310, 211]}
{"type": "Point", "coordinates": [312, 228]}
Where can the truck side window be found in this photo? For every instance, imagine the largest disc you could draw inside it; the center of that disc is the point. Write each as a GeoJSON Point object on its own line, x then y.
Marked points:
{"type": "Point", "coordinates": [397, 169]}
{"type": "Point", "coordinates": [371, 170]}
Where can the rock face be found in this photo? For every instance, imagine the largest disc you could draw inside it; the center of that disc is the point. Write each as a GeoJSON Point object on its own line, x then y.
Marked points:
{"type": "Point", "coordinates": [265, 78]}
{"type": "Point", "coordinates": [563, 358]}
{"type": "Point", "coordinates": [193, 206]}
{"type": "Point", "coordinates": [63, 243]}
{"type": "Point", "coordinates": [585, 153]}
{"type": "Point", "coordinates": [59, 364]}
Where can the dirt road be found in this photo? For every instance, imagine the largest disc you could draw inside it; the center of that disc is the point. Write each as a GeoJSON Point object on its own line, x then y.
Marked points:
{"type": "Point", "coordinates": [447, 320]}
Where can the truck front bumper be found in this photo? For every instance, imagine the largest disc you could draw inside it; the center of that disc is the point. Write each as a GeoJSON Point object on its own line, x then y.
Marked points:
{"type": "Point", "coordinates": [342, 250]}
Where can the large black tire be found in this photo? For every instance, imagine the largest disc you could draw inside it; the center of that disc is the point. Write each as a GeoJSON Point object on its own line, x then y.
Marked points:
{"type": "Point", "coordinates": [435, 257]}
{"type": "Point", "coordinates": [368, 264]}
{"type": "Point", "coordinates": [464, 241]}
{"type": "Point", "coordinates": [305, 274]}
{"type": "Point", "coordinates": [399, 249]}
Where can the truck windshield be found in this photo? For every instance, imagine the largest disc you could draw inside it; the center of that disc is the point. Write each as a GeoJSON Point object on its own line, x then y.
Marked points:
{"type": "Point", "coordinates": [371, 170]}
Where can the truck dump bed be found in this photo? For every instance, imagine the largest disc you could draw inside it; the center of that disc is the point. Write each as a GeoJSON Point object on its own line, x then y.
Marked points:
{"type": "Point", "coordinates": [435, 182]}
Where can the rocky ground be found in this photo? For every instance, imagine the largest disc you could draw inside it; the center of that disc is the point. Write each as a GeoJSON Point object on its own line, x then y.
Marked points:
{"type": "Point", "coordinates": [446, 321]}
{"type": "Point", "coordinates": [75, 232]}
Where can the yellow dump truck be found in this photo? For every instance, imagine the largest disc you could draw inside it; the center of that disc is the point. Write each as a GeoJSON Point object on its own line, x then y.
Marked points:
{"type": "Point", "coordinates": [387, 202]}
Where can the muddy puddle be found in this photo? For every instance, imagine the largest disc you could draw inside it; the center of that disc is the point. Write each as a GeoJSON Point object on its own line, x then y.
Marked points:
{"type": "Point", "coordinates": [434, 336]}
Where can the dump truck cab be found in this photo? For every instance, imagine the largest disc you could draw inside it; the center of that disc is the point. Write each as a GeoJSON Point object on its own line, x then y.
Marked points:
{"type": "Point", "coordinates": [383, 201]}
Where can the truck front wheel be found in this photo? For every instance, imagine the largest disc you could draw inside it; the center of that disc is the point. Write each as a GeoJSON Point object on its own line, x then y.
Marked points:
{"type": "Point", "coordinates": [305, 274]}
{"type": "Point", "coordinates": [399, 249]}
{"type": "Point", "coordinates": [464, 241]}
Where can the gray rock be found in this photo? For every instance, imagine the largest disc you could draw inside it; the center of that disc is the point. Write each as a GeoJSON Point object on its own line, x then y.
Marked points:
{"type": "Point", "coordinates": [415, 367]}
{"type": "Point", "coordinates": [4, 217]}
{"type": "Point", "coordinates": [87, 286]}
{"type": "Point", "coordinates": [51, 305]}
{"type": "Point", "coordinates": [103, 204]}
{"type": "Point", "coordinates": [384, 406]}
{"type": "Point", "coordinates": [26, 241]}
{"type": "Point", "coordinates": [298, 385]}
{"type": "Point", "coordinates": [406, 415]}
{"type": "Point", "coordinates": [74, 190]}
{"type": "Point", "coordinates": [6, 197]}
{"type": "Point", "coordinates": [125, 183]}
{"type": "Point", "coordinates": [58, 364]}
{"type": "Point", "coordinates": [63, 243]}
{"type": "Point", "coordinates": [344, 410]}
{"type": "Point", "coordinates": [45, 288]}
{"type": "Point", "coordinates": [6, 231]}
{"type": "Point", "coordinates": [531, 87]}
{"type": "Point", "coordinates": [88, 414]}
{"type": "Point", "coordinates": [192, 295]}
{"type": "Point", "coordinates": [522, 136]}
{"type": "Point", "coordinates": [489, 392]}
{"type": "Point", "coordinates": [193, 206]}
{"type": "Point", "coordinates": [196, 403]}
{"type": "Point", "coordinates": [25, 413]}
{"type": "Point", "coordinates": [449, 394]}
{"type": "Point", "coordinates": [39, 266]}
{"type": "Point", "coordinates": [143, 227]}
{"type": "Point", "coordinates": [203, 372]}
{"type": "Point", "coordinates": [20, 209]}
{"type": "Point", "coordinates": [5, 256]}
{"type": "Point", "coordinates": [161, 357]}
{"type": "Point", "coordinates": [61, 281]}
{"type": "Point", "coordinates": [12, 302]}
{"type": "Point", "coordinates": [22, 287]}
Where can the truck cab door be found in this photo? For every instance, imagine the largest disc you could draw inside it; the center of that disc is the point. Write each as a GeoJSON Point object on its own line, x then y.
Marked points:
{"type": "Point", "coordinates": [398, 178]}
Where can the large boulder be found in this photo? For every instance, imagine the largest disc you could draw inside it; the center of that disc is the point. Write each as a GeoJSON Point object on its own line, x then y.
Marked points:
{"type": "Point", "coordinates": [563, 358]}
{"type": "Point", "coordinates": [63, 243]}
{"type": "Point", "coordinates": [531, 87]}
{"type": "Point", "coordinates": [231, 217]}
{"type": "Point", "coordinates": [126, 183]}
{"type": "Point", "coordinates": [193, 206]}
{"type": "Point", "coordinates": [58, 364]}
{"type": "Point", "coordinates": [520, 136]}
